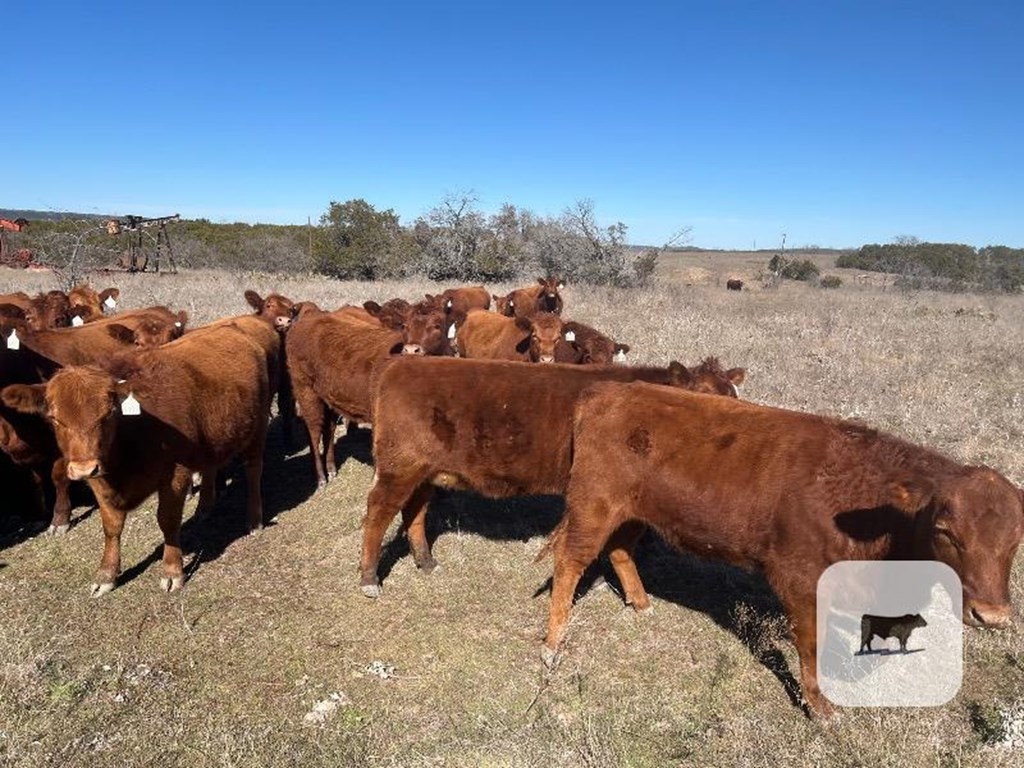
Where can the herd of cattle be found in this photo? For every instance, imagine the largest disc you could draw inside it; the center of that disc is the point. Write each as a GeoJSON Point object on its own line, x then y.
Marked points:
{"type": "Point", "coordinates": [135, 404]}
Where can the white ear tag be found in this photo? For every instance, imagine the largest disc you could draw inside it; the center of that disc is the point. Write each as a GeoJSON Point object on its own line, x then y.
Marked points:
{"type": "Point", "coordinates": [77, 321]}
{"type": "Point", "coordinates": [13, 342]}
{"type": "Point", "coordinates": [109, 302]}
{"type": "Point", "coordinates": [130, 406]}
{"type": "Point", "coordinates": [177, 324]}
{"type": "Point", "coordinates": [570, 336]}
{"type": "Point", "coordinates": [448, 304]}
{"type": "Point", "coordinates": [451, 331]}
{"type": "Point", "coordinates": [620, 357]}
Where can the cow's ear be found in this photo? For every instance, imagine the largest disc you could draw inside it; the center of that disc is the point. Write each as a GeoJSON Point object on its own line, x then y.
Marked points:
{"type": "Point", "coordinates": [542, 280]}
{"type": "Point", "coordinates": [109, 293]}
{"type": "Point", "coordinates": [561, 283]}
{"type": "Point", "coordinates": [397, 348]}
{"type": "Point", "coordinates": [623, 348]}
{"type": "Point", "coordinates": [11, 311]}
{"type": "Point", "coordinates": [254, 300]}
{"type": "Point", "coordinates": [523, 346]}
{"type": "Point", "coordinates": [679, 374]}
{"type": "Point", "coordinates": [736, 376]}
{"type": "Point", "coordinates": [121, 333]}
{"type": "Point", "coordinates": [180, 323]}
{"type": "Point", "coordinates": [911, 494]}
{"type": "Point", "coordinates": [26, 398]}
{"type": "Point", "coordinates": [524, 324]}
{"type": "Point", "coordinates": [372, 307]}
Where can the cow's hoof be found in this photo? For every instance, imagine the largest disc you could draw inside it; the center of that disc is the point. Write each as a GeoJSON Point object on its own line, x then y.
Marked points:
{"type": "Point", "coordinates": [320, 484]}
{"type": "Point", "coordinates": [256, 530]}
{"type": "Point", "coordinates": [98, 589]}
{"type": "Point", "coordinates": [427, 567]}
{"type": "Point", "coordinates": [549, 656]}
{"type": "Point", "coordinates": [57, 530]}
{"type": "Point", "coordinates": [331, 475]}
{"type": "Point", "coordinates": [171, 583]}
{"type": "Point", "coordinates": [644, 610]}
{"type": "Point", "coordinates": [371, 590]}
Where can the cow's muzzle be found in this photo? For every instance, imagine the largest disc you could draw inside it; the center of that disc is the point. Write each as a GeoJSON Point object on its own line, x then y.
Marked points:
{"type": "Point", "coordinates": [282, 323]}
{"type": "Point", "coordinates": [82, 470]}
{"type": "Point", "coordinates": [546, 359]}
{"type": "Point", "coordinates": [412, 349]}
{"type": "Point", "coordinates": [987, 615]}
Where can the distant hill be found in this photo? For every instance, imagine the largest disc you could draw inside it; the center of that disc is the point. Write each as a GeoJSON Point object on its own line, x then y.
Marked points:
{"type": "Point", "coordinates": [14, 213]}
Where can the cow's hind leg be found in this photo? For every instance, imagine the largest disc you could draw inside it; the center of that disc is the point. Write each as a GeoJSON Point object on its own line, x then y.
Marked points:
{"type": "Point", "coordinates": [578, 544]}
{"type": "Point", "coordinates": [313, 416]}
{"type": "Point", "coordinates": [620, 552]}
{"type": "Point", "coordinates": [387, 496]}
{"type": "Point", "coordinates": [330, 427]}
{"type": "Point", "coordinates": [414, 520]}
{"type": "Point", "coordinates": [801, 609]}
{"type": "Point", "coordinates": [170, 501]}
{"type": "Point", "coordinates": [254, 479]}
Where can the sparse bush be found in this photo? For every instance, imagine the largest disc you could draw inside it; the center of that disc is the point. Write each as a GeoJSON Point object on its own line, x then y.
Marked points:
{"type": "Point", "coordinates": [830, 281]}
{"type": "Point", "coordinates": [790, 269]}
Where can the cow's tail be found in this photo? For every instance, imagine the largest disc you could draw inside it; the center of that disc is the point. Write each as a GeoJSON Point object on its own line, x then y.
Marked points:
{"type": "Point", "coordinates": [553, 539]}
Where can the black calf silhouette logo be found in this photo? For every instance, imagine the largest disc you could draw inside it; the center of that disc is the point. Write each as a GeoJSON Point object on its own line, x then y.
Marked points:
{"type": "Point", "coordinates": [885, 627]}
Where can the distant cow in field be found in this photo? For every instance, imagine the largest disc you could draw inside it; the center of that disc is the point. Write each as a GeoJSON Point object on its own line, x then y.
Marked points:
{"type": "Point", "coordinates": [782, 492]}
{"type": "Point", "coordinates": [885, 627]}
{"type": "Point", "coordinates": [734, 284]}
{"type": "Point", "coordinates": [499, 428]}
{"type": "Point", "coordinates": [145, 423]}
{"type": "Point", "coordinates": [523, 302]}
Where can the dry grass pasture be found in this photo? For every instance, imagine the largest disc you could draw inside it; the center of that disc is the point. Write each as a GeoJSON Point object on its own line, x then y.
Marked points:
{"type": "Point", "coordinates": [444, 670]}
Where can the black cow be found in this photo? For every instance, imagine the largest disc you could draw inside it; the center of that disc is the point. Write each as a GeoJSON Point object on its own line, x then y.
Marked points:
{"type": "Point", "coordinates": [885, 627]}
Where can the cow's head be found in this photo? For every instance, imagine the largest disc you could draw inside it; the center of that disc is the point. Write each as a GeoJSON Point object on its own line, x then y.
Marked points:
{"type": "Point", "coordinates": [973, 522]}
{"type": "Point", "coordinates": [549, 299]}
{"type": "Point", "coordinates": [915, 620]}
{"type": "Point", "coordinates": [391, 314]}
{"type": "Point", "coordinates": [149, 332]}
{"type": "Point", "coordinates": [709, 377]}
{"type": "Point", "coordinates": [504, 305]}
{"type": "Point", "coordinates": [85, 296]}
{"type": "Point", "coordinates": [278, 310]}
{"type": "Point", "coordinates": [84, 406]}
{"type": "Point", "coordinates": [423, 327]}
{"type": "Point", "coordinates": [546, 340]}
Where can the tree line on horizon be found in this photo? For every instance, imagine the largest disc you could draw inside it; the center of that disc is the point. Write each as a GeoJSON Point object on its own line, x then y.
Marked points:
{"type": "Point", "coordinates": [456, 241]}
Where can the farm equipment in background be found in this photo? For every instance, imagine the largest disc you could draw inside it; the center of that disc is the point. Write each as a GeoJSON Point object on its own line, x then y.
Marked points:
{"type": "Point", "coordinates": [9, 257]}
{"type": "Point", "coordinates": [135, 258]}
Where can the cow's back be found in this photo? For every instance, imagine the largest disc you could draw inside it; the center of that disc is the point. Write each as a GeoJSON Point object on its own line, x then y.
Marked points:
{"type": "Point", "coordinates": [501, 428]}
{"type": "Point", "coordinates": [490, 336]}
{"type": "Point", "coordinates": [334, 357]}
{"type": "Point", "coordinates": [209, 393]}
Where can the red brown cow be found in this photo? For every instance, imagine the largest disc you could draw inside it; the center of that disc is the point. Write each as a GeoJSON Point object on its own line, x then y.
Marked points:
{"type": "Point", "coordinates": [500, 428]}
{"type": "Point", "coordinates": [201, 400]}
{"type": "Point", "coordinates": [330, 359]}
{"type": "Point", "coordinates": [456, 303]}
{"type": "Point", "coordinates": [41, 312]}
{"type": "Point", "coordinates": [539, 338]}
{"type": "Point", "coordinates": [734, 284]}
{"type": "Point", "coordinates": [523, 302]}
{"type": "Point", "coordinates": [28, 439]}
{"type": "Point", "coordinates": [423, 326]}
{"type": "Point", "coordinates": [279, 311]}
{"type": "Point", "coordinates": [89, 305]}
{"type": "Point", "coordinates": [781, 492]}
{"type": "Point", "coordinates": [591, 346]}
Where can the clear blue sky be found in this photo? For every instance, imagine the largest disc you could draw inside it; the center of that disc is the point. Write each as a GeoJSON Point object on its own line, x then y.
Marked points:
{"type": "Point", "coordinates": [837, 123]}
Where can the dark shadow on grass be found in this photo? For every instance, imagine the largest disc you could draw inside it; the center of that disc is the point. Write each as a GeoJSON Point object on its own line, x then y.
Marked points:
{"type": "Point", "coordinates": [713, 588]}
